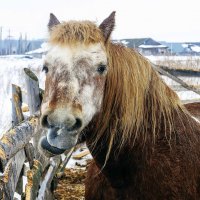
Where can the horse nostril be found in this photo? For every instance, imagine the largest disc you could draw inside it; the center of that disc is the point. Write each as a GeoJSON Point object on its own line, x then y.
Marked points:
{"type": "Point", "coordinates": [76, 126]}
{"type": "Point", "coordinates": [44, 121]}
{"type": "Point", "coordinates": [78, 123]}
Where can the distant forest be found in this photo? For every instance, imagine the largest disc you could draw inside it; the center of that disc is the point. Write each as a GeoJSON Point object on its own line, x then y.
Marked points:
{"type": "Point", "coordinates": [21, 46]}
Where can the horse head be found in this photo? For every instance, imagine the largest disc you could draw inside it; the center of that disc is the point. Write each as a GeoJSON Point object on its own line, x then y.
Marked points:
{"type": "Point", "coordinates": [76, 67]}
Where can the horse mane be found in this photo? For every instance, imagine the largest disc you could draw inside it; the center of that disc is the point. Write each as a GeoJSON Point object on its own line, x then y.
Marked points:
{"type": "Point", "coordinates": [136, 101]}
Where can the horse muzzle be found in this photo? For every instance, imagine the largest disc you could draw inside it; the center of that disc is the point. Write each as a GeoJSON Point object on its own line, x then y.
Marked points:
{"type": "Point", "coordinates": [60, 137]}
{"type": "Point", "coordinates": [57, 141]}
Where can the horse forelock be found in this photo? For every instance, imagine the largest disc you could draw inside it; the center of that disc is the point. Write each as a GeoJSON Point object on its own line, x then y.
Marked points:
{"type": "Point", "coordinates": [73, 32]}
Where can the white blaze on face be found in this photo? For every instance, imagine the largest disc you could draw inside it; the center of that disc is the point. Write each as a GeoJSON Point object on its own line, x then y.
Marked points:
{"type": "Point", "coordinates": [82, 81]}
{"type": "Point", "coordinates": [89, 108]}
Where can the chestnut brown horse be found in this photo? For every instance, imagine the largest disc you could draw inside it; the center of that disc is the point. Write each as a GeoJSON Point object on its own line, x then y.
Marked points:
{"type": "Point", "coordinates": [145, 143]}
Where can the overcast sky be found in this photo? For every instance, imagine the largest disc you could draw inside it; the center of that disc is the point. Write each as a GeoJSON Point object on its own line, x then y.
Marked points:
{"type": "Point", "coordinates": [169, 20]}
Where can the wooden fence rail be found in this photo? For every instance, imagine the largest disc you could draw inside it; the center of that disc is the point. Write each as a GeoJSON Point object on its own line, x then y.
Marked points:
{"type": "Point", "coordinates": [161, 70]}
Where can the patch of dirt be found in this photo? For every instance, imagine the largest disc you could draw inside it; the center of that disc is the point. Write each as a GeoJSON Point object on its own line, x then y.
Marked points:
{"type": "Point", "coordinates": [71, 185]}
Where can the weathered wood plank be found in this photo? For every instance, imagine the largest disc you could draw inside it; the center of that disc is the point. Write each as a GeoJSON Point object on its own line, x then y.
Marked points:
{"type": "Point", "coordinates": [25, 96]}
{"type": "Point", "coordinates": [45, 187]}
{"type": "Point", "coordinates": [60, 171]}
{"type": "Point", "coordinates": [33, 178]}
{"type": "Point", "coordinates": [11, 175]}
{"type": "Point", "coordinates": [38, 155]}
{"type": "Point", "coordinates": [33, 154]}
{"type": "Point", "coordinates": [17, 115]}
{"type": "Point", "coordinates": [34, 99]}
{"type": "Point", "coordinates": [33, 91]}
{"type": "Point", "coordinates": [181, 72]}
{"type": "Point", "coordinates": [43, 159]}
{"type": "Point", "coordinates": [15, 139]}
{"type": "Point", "coordinates": [30, 154]}
{"type": "Point", "coordinates": [19, 187]}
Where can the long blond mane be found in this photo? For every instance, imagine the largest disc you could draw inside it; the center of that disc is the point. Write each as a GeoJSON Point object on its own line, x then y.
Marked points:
{"type": "Point", "coordinates": [136, 101]}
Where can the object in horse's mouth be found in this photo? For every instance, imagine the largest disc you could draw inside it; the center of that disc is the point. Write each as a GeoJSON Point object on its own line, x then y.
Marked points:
{"type": "Point", "coordinates": [52, 151]}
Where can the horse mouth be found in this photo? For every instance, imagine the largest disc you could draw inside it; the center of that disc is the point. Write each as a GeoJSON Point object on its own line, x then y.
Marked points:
{"type": "Point", "coordinates": [58, 140]}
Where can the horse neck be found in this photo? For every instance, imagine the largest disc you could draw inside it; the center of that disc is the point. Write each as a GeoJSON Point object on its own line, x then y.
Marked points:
{"type": "Point", "coordinates": [123, 163]}
{"type": "Point", "coordinates": [116, 167]}
{"type": "Point", "coordinates": [125, 141]}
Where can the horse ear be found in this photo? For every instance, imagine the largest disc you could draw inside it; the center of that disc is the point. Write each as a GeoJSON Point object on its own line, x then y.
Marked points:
{"type": "Point", "coordinates": [53, 21]}
{"type": "Point", "coordinates": [107, 25]}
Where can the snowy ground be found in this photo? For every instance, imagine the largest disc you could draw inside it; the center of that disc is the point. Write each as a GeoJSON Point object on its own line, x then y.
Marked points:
{"type": "Point", "coordinates": [174, 58]}
{"type": "Point", "coordinates": [11, 72]}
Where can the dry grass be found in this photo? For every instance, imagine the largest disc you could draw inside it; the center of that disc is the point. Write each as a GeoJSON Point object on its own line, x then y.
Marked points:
{"type": "Point", "coordinates": [180, 62]}
{"type": "Point", "coordinates": [71, 185]}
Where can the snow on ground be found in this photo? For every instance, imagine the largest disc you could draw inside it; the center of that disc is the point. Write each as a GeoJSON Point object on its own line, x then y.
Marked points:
{"type": "Point", "coordinates": [152, 46]}
{"type": "Point", "coordinates": [76, 164]}
{"type": "Point", "coordinates": [174, 58]}
{"type": "Point", "coordinates": [11, 72]}
{"type": "Point", "coordinates": [195, 48]}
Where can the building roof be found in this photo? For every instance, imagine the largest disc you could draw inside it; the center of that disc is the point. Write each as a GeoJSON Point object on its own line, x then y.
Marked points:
{"type": "Point", "coordinates": [175, 47]}
{"type": "Point", "coordinates": [195, 48]}
{"type": "Point", "coordinates": [136, 42]}
{"type": "Point", "coordinates": [143, 46]}
{"type": "Point", "coordinates": [43, 49]}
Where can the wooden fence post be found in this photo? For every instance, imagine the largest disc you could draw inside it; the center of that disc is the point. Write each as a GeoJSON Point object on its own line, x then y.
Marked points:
{"type": "Point", "coordinates": [17, 115]}
{"type": "Point", "coordinates": [11, 175]}
{"type": "Point", "coordinates": [33, 177]}
{"type": "Point", "coordinates": [33, 91]}
{"type": "Point", "coordinates": [60, 171]}
{"type": "Point", "coordinates": [45, 191]}
{"type": "Point", "coordinates": [34, 100]}
{"type": "Point", "coordinates": [12, 168]}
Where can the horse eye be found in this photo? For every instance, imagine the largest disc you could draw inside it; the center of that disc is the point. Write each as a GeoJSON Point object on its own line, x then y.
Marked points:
{"type": "Point", "coordinates": [45, 69]}
{"type": "Point", "coordinates": [101, 69]}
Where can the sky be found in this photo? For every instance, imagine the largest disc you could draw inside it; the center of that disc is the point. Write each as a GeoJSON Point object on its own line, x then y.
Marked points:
{"type": "Point", "coordinates": [169, 20]}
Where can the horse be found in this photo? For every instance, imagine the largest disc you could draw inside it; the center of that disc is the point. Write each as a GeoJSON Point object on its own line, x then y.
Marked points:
{"type": "Point", "coordinates": [144, 142]}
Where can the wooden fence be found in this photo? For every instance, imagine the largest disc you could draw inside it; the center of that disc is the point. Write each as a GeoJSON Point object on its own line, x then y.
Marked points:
{"type": "Point", "coordinates": [173, 74]}
{"type": "Point", "coordinates": [20, 158]}
{"type": "Point", "coordinates": [23, 169]}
